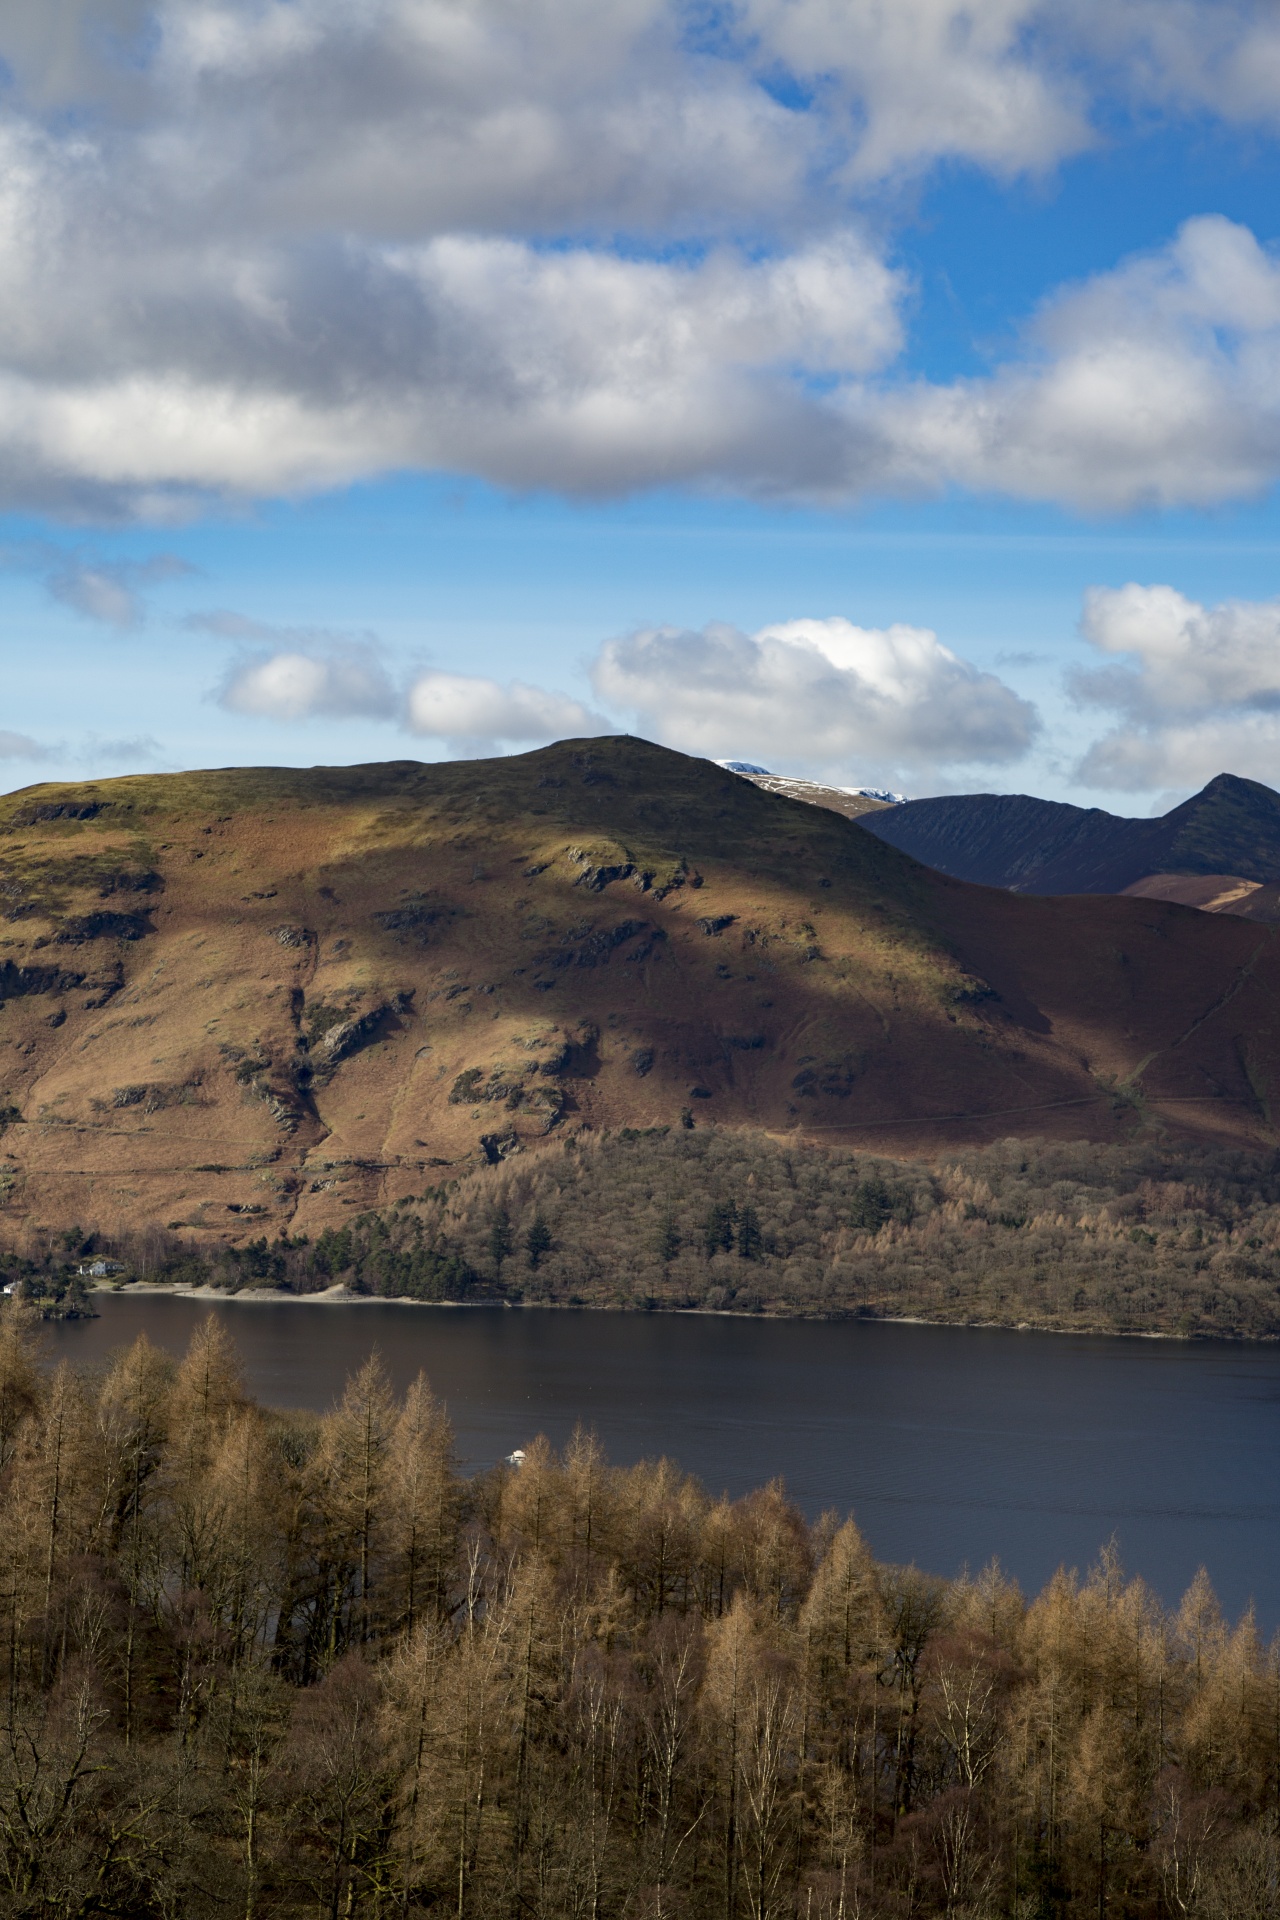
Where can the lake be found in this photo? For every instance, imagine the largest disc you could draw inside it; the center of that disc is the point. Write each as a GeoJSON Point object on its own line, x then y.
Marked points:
{"type": "Point", "coordinates": [951, 1446]}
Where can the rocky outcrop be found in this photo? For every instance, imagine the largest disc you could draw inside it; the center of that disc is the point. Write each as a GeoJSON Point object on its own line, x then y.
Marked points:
{"type": "Point", "coordinates": [17, 981]}
{"type": "Point", "coordinates": [103, 926]}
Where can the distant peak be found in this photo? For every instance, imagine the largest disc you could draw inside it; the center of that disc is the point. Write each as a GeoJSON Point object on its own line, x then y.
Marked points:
{"type": "Point", "coordinates": [1233, 783]}
{"type": "Point", "coordinates": [753, 771]}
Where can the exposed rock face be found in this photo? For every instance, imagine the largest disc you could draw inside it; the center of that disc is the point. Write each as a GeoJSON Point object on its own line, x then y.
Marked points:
{"type": "Point", "coordinates": [346, 979]}
{"type": "Point", "coordinates": [17, 980]}
{"type": "Point", "coordinates": [103, 926]}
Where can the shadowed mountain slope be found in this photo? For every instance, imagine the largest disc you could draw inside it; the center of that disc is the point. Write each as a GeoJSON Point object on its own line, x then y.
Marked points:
{"type": "Point", "coordinates": [1232, 828]}
{"type": "Point", "coordinates": [245, 1001]}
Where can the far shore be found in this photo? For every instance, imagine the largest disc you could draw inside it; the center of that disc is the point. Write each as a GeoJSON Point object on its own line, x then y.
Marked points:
{"type": "Point", "coordinates": [342, 1296]}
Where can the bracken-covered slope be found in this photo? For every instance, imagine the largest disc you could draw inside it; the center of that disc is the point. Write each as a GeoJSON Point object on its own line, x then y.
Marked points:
{"type": "Point", "coordinates": [1042, 846]}
{"type": "Point", "coordinates": [243, 1001]}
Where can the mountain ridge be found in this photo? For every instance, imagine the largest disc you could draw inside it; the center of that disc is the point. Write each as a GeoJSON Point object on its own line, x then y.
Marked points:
{"type": "Point", "coordinates": [1232, 827]}
{"type": "Point", "coordinates": [240, 1002]}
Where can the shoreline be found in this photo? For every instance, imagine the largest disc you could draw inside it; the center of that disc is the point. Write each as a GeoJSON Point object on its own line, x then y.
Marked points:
{"type": "Point", "coordinates": [341, 1296]}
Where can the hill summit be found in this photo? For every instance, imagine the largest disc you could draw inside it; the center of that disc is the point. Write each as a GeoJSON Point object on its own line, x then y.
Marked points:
{"type": "Point", "coordinates": [240, 1002]}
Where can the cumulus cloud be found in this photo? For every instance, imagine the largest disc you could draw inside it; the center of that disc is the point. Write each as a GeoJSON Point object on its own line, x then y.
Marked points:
{"type": "Point", "coordinates": [576, 369]}
{"type": "Point", "coordinates": [572, 368]}
{"type": "Point", "coordinates": [466, 709]}
{"type": "Point", "coordinates": [408, 116]}
{"type": "Point", "coordinates": [1153, 385]}
{"type": "Point", "coordinates": [306, 673]}
{"type": "Point", "coordinates": [1197, 688]}
{"type": "Point", "coordinates": [1180, 759]}
{"type": "Point", "coordinates": [1220, 56]}
{"type": "Point", "coordinates": [587, 247]}
{"type": "Point", "coordinates": [817, 692]}
{"type": "Point", "coordinates": [1182, 658]}
{"type": "Point", "coordinates": [299, 673]}
{"type": "Point", "coordinates": [313, 675]}
{"type": "Point", "coordinates": [920, 80]}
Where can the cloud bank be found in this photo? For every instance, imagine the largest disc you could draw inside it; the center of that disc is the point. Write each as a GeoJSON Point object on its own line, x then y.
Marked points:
{"type": "Point", "coordinates": [300, 673]}
{"type": "Point", "coordinates": [250, 247]}
{"type": "Point", "coordinates": [816, 692]}
{"type": "Point", "coordinates": [820, 692]}
{"type": "Point", "coordinates": [1196, 688]}
{"type": "Point", "coordinates": [466, 710]}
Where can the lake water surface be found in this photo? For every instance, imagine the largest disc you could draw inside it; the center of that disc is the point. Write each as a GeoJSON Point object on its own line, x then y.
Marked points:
{"type": "Point", "coordinates": [949, 1445]}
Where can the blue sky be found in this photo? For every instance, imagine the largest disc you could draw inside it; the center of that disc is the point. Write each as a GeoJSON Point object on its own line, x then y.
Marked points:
{"type": "Point", "coordinates": [887, 395]}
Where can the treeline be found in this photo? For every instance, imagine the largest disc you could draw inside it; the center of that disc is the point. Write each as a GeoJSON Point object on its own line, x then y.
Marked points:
{"type": "Point", "coordinates": [1148, 1235]}
{"type": "Point", "coordinates": [1144, 1236]}
{"type": "Point", "coordinates": [396, 1256]}
{"type": "Point", "coordinates": [257, 1664]}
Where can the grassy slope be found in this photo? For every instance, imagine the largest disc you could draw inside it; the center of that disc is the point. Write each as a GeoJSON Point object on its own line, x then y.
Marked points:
{"type": "Point", "coordinates": [319, 956]}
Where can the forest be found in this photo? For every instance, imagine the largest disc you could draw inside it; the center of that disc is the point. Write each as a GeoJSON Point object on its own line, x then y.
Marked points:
{"type": "Point", "coordinates": [1143, 1236]}
{"type": "Point", "coordinates": [277, 1663]}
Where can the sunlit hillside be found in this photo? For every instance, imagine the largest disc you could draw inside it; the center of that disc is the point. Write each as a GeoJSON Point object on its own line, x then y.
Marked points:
{"type": "Point", "coordinates": [248, 1000]}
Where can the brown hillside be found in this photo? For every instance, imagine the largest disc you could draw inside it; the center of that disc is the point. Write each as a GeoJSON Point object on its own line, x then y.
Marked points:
{"type": "Point", "coordinates": [1212, 893]}
{"type": "Point", "coordinates": [247, 1000]}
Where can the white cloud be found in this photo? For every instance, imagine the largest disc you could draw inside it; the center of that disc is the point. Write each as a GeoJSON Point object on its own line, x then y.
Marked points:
{"type": "Point", "coordinates": [305, 673]}
{"type": "Point", "coordinates": [1180, 758]}
{"type": "Point", "coordinates": [1186, 658]}
{"type": "Point", "coordinates": [258, 246]}
{"type": "Point", "coordinates": [1153, 385]}
{"type": "Point", "coordinates": [1198, 688]}
{"type": "Point", "coordinates": [409, 117]}
{"type": "Point", "coordinates": [313, 674]}
{"type": "Point", "coordinates": [571, 368]}
{"type": "Point", "coordinates": [404, 117]}
{"type": "Point", "coordinates": [464, 708]}
{"type": "Point", "coordinates": [920, 80]}
{"type": "Point", "coordinates": [815, 692]}
{"type": "Point", "coordinates": [1222, 56]}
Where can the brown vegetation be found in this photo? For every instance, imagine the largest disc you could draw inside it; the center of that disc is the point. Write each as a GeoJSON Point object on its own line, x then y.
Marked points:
{"type": "Point", "coordinates": [1146, 1237]}
{"type": "Point", "coordinates": [265, 1664]}
{"type": "Point", "coordinates": [1150, 1236]}
{"type": "Point", "coordinates": [266, 1001]}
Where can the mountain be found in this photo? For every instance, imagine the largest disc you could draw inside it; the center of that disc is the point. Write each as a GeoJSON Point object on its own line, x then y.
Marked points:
{"type": "Point", "coordinates": [852, 802]}
{"type": "Point", "coordinates": [1229, 833]}
{"type": "Point", "coordinates": [245, 1001]}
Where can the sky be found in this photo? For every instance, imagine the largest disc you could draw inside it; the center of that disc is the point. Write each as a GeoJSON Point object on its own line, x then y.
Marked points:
{"type": "Point", "coordinates": [881, 391]}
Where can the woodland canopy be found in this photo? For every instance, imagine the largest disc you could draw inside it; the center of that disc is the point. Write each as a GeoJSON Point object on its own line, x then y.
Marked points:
{"type": "Point", "coordinates": [262, 1663]}
{"type": "Point", "coordinates": [1142, 1236]}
